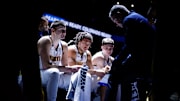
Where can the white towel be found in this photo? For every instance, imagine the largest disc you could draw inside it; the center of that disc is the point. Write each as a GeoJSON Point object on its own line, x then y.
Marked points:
{"type": "Point", "coordinates": [104, 80]}
{"type": "Point", "coordinates": [80, 86]}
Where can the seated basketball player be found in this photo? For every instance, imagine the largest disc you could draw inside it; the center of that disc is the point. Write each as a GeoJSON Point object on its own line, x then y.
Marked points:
{"type": "Point", "coordinates": [102, 60]}
{"type": "Point", "coordinates": [79, 54]}
{"type": "Point", "coordinates": [53, 60]}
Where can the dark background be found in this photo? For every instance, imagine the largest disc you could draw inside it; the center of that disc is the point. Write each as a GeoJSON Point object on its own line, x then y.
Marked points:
{"type": "Point", "coordinates": [23, 19]}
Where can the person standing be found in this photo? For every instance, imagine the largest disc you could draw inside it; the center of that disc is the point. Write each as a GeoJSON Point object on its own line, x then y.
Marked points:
{"type": "Point", "coordinates": [43, 28]}
{"type": "Point", "coordinates": [133, 64]}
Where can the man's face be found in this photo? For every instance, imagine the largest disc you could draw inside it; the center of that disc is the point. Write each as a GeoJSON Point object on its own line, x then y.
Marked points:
{"type": "Point", "coordinates": [85, 44]}
{"type": "Point", "coordinates": [117, 19]}
{"type": "Point", "coordinates": [107, 49]}
{"type": "Point", "coordinates": [60, 32]}
{"type": "Point", "coordinates": [44, 26]}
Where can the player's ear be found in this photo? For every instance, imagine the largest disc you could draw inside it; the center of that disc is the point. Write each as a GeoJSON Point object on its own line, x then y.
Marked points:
{"type": "Point", "coordinates": [101, 47]}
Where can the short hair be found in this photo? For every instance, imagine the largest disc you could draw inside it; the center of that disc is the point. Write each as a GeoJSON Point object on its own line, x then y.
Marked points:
{"type": "Point", "coordinates": [57, 23]}
{"type": "Point", "coordinates": [118, 8]}
{"type": "Point", "coordinates": [43, 18]}
{"type": "Point", "coordinates": [82, 35]}
{"type": "Point", "coordinates": [107, 41]}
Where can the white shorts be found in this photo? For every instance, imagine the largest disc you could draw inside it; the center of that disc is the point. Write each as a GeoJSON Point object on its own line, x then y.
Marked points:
{"type": "Point", "coordinates": [64, 81]}
{"type": "Point", "coordinates": [94, 83]}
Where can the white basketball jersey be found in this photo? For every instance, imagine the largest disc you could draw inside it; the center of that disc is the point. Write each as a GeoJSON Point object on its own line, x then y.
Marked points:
{"type": "Point", "coordinates": [55, 55]}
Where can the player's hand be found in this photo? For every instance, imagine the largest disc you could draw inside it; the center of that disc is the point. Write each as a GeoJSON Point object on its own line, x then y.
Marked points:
{"type": "Point", "coordinates": [107, 68]}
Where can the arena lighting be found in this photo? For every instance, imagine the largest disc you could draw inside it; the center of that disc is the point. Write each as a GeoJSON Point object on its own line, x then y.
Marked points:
{"type": "Point", "coordinates": [51, 18]}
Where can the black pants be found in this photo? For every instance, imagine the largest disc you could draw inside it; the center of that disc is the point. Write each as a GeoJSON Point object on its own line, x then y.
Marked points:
{"type": "Point", "coordinates": [135, 90]}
